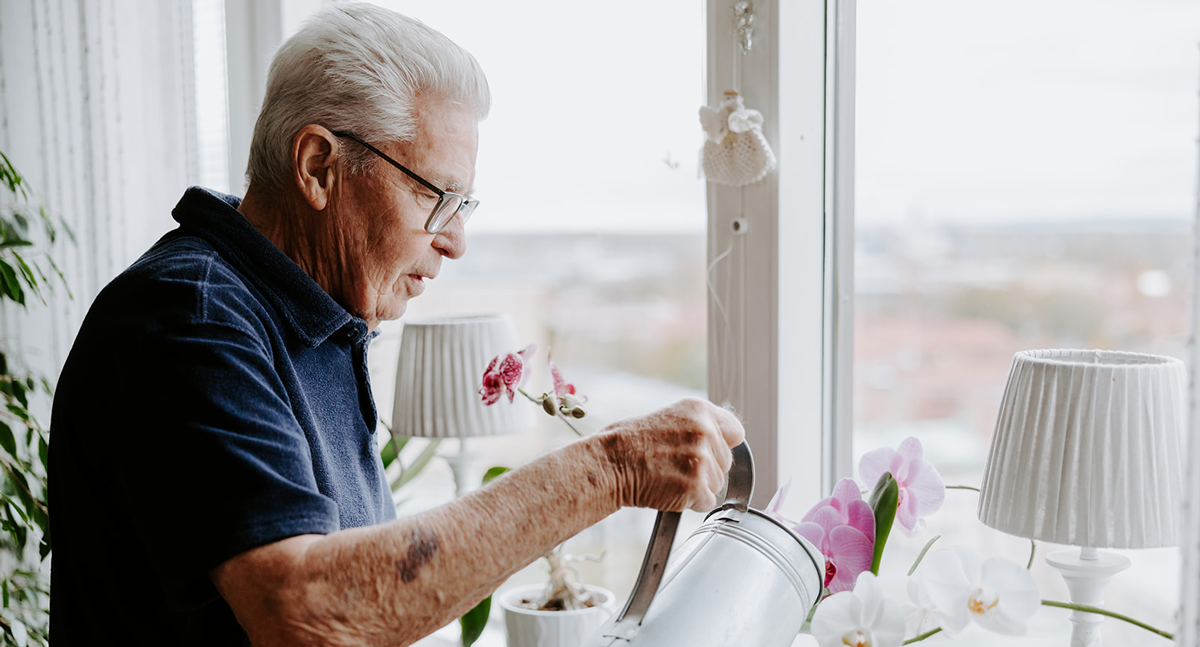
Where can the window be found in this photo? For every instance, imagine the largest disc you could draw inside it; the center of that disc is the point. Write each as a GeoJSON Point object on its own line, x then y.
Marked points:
{"type": "Point", "coordinates": [1021, 183]}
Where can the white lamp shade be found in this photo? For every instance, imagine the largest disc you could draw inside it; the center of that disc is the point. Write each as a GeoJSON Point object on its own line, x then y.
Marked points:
{"type": "Point", "coordinates": [440, 371]}
{"type": "Point", "coordinates": [1087, 450]}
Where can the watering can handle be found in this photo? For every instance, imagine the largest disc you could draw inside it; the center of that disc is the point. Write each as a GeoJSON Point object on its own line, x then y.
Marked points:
{"type": "Point", "coordinates": [738, 490]}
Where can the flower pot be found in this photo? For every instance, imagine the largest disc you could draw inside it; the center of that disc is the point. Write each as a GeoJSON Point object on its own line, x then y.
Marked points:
{"type": "Point", "coordinates": [532, 628]}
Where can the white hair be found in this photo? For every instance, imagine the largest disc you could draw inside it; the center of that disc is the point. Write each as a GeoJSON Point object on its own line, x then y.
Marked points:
{"type": "Point", "coordinates": [357, 67]}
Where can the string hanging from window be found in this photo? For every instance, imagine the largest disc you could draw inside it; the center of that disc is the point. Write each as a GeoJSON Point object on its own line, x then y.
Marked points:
{"type": "Point", "coordinates": [735, 153]}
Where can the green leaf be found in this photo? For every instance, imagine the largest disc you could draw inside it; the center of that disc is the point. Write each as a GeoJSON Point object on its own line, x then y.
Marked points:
{"type": "Point", "coordinates": [12, 287]}
{"type": "Point", "coordinates": [18, 392]}
{"type": "Point", "coordinates": [494, 472]}
{"type": "Point", "coordinates": [17, 411]}
{"type": "Point", "coordinates": [30, 279]}
{"type": "Point", "coordinates": [474, 621]}
{"type": "Point", "coordinates": [7, 441]}
{"type": "Point", "coordinates": [61, 277]}
{"type": "Point", "coordinates": [388, 453]}
{"type": "Point", "coordinates": [883, 501]}
{"type": "Point", "coordinates": [4, 589]}
{"type": "Point", "coordinates": [409, 473]}
{"type": "Point", "coordinates": [11, 505]}
{"type": "Point", "coordinates": [43, 451]}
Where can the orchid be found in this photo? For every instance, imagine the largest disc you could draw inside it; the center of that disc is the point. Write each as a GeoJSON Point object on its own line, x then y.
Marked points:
{"type": "Point", "coordinates": [950, 588]}
{"type": "Point", "coordinates": [922, 490]}
{"type": "Point", "coordinates": [564, 399]}
{"type": "Point", "coordinates": [920, 614]}
{"type": "Point", "coordinates": [777, 501]}
{"type": "Point", "coordinates": [998, 594]}
{"type": "Point", "coordinates": [859, 618]}
{"type": "Point", "coordinates": [842, 527]}
{"type": "Point", "coordinates": [505, 375]}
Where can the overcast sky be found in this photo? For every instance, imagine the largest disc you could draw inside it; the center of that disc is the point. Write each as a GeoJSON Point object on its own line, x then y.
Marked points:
{"type": "Point", "coordinates": [976, 109]}
{"type": "Point", "coordinates": [1027, 108]}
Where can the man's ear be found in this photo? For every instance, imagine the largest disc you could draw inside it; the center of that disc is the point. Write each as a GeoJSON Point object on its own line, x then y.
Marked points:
{"type": "Point", "coordinates": [314, 151]}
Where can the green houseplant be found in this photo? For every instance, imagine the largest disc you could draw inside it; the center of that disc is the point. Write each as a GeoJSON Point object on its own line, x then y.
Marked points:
{"type": "Point", "coordinates": [25, 272]}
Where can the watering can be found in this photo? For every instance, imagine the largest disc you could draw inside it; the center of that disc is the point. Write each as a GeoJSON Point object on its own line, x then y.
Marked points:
{"type": "Point", "coordinates": [742, 578]}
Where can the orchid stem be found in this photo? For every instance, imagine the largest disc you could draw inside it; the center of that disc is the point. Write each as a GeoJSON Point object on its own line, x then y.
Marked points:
{"type": "Point", "coordinates": [530, 397]}
{"type": "Point", "coordinates": [922, 555]}
{"type": "Point", "coordinates": [962, 487]}
{"type": "Point", "coordinates": [559, 416]}
{"type": "Point", "coordinates": [922, 636]}
{"type": "Point", "coordinates": [1032, 552]}
{"type": "Point", "coordinates": [1112, 614]}
{"type": "Point", "coordinates": [568, 423]}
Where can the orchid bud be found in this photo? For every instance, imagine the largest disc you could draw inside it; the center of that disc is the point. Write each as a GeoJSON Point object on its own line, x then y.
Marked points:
{"type": "Point", "coordinates": [548, 404]}
{"type": "Point", "coordinates": [578, 412]}
{"type": "Point", "coordinates": [572, 401]}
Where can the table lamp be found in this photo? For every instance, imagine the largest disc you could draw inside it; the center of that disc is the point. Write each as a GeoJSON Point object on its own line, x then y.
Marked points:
{"type": "Point", "coordinates": [439, 372]}
{"type": "Point", "coordinates": [1087, 453]}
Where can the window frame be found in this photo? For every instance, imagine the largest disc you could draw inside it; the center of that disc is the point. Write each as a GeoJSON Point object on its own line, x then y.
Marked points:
{"type": "Point", "coordinates": [792, 312]}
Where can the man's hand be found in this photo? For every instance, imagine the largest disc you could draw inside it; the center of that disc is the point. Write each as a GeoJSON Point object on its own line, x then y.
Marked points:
{"type": "Point", "coordinates": [673, 458]}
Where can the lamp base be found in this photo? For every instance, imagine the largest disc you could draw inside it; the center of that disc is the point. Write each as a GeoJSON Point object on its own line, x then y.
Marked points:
{"type": "Point", "coordinates": [465, 465]}
{"type": "Point", "coordinates": [1087, 571]}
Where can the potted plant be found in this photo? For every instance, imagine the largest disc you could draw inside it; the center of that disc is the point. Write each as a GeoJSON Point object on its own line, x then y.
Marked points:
{"type": "Point", "coordinates": [562, 612]}
{"type": "Point", "coordinates": [25, 271]}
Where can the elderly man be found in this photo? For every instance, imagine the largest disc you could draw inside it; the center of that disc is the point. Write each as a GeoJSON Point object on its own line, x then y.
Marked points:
{"type": "Point", "coordinates": [215, 479]}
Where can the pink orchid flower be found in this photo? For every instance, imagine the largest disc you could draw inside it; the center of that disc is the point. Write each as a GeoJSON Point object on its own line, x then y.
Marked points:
{"type": "Point", "coordinates": [773, 508]}
{"type": "Point", "coordinates": [569, 403]}
{"type": "Point", "coordinates": [505, 374]}
{"type": "Point", "coordinates": [561, 387]}
{"type": "Point", "coordinates": [922, 490]}
{"type": "Point", "coordinates": [843, 528]}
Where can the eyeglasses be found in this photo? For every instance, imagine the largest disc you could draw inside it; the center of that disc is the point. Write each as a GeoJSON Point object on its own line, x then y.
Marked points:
{"type": "Point", "coordinates": [448, 204]}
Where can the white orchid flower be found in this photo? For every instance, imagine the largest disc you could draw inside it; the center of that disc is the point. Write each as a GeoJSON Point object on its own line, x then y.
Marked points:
{"type": "Point", "coordinates": [998, 594]}
{"type": "Point", "coordinates": [920, 614]}
{"type": "Point", "coordinates": [862, 617]}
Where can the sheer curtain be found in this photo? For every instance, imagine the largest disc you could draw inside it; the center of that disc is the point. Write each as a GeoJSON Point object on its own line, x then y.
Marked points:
{"type": "Point", "coordinates": [97, 110]}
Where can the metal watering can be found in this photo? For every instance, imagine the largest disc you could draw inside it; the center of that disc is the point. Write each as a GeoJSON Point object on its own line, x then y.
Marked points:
{"type": "Point", "coordinates": [742, 578]}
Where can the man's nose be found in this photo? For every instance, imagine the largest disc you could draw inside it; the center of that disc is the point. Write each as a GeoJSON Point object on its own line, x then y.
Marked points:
{"type": "Point", "coordinates": [451, 241]}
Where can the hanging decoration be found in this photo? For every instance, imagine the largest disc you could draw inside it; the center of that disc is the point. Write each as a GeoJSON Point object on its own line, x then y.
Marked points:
{"type": "Point", "coordinates": [735, 151]}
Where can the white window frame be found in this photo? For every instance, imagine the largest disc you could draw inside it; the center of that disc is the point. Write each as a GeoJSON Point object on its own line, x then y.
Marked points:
{"type": "Point", "coordinates": [791, 307]}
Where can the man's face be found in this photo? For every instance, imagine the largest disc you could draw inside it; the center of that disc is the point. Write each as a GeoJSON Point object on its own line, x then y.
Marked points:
{"type": "Point", "coordinates": [386, 252]}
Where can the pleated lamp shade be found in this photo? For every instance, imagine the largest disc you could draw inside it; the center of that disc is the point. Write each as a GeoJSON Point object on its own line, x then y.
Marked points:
{"type": "Point", "coordinates": [439, 374]}
{"type": "Point", "coordinates": [1087, 450]}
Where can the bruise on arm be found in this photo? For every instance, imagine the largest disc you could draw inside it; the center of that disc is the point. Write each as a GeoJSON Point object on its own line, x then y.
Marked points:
{"type": "Point", "coordinates": [422, 544]}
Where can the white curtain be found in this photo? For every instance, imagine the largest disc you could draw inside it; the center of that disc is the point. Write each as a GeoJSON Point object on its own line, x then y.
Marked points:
{"type": "Point", "coordinates": [97, 110]}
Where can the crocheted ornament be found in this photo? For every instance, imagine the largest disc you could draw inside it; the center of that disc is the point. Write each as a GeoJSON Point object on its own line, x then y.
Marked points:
{"type": "Point", "coordinates": [735, 151]}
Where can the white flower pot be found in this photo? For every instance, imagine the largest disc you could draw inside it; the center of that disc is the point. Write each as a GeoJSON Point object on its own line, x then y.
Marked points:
{"type": "Point", "coordinates": [531, 628]}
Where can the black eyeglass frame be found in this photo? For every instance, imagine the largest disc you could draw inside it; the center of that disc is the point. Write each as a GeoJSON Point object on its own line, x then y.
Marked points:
{"type": "Point", "coordinates": [465, 207]}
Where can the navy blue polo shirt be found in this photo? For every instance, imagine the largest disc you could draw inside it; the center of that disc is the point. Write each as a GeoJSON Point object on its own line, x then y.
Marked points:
{"type": "Point", "coordinates": [216, 399]}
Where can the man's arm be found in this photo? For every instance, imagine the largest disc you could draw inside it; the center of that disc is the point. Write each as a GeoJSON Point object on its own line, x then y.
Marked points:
{"type": "Point", "coordinates": [395, 583]}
